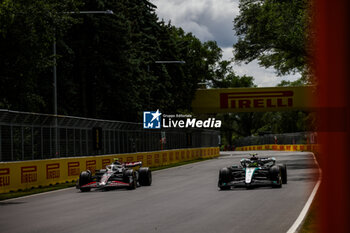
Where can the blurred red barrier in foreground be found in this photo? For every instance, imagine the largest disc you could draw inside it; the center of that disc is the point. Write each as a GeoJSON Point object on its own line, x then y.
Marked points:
{"type": "Point", "coordinates": [331, 65]}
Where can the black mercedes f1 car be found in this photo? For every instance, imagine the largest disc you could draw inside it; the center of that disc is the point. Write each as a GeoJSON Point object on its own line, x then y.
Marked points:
{"type": "Point", "coordinates": [115, 175]}
{"type": "Point", "coordinates": [253, 171]}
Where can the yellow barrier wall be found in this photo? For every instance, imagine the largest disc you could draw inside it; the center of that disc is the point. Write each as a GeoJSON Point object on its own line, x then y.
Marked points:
{"type": "Point", "coordinates": [28, 174]}
{"type": "Point", "coordinates": [298, 147]}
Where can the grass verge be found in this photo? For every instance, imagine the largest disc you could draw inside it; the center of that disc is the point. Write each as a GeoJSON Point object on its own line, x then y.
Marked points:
{"type": "Point", "coordinates": [310, 224]}
{"type": "Point", "coordinates": [4, 196]}
{"type": "Point", "coordinates": [177, 164]}
{"type": "Point", "coordinates": [26, 192]}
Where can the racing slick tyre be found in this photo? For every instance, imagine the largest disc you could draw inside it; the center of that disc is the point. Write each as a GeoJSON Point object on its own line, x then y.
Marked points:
{"type": "Point", "coordinates": [84, 178]}
{"type": "Point", "coordinates": [145, 176]}
{"type": "Point", "coordinates": [283, 173]}
{"type": "Point", "coordinates": [130, 177]}
{"type": "Point", "coordinates": [276, 177]}
{"type": "Point", "coordinates": [224, 178]}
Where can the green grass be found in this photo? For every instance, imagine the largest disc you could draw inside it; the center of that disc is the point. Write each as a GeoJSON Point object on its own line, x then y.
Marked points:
{"type": "Point", "coordinates": [310, 224]}
{"type": "Point", "coordinates": [4, 196]}
{"type": "Point", "coordinates": [26, 192]}
{"type": "Point", "coordinates": [177, 164]}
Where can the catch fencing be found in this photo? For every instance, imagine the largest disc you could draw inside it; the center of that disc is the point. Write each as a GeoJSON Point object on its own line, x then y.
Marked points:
{"type": "Point", "coordinates": [31, 136]}
{"type": "Point", "coordinates": [280, 139]}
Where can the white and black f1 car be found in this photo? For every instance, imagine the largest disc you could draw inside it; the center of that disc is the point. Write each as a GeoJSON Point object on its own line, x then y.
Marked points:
{"type": "Point", "coordinates": [115, 175]}
{"type": "Point", "coordinates": [253, 171]}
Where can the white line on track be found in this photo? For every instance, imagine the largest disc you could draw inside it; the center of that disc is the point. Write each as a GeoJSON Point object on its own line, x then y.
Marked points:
{"type": "Point", "coordinates": [38, 194]}
{"type": "Point", "coordinates": [296, 225]}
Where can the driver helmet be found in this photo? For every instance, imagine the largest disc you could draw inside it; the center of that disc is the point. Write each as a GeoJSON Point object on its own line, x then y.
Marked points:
{"type": "Point", "coordinates": [254, 156]}
{"type": "Point", "coordinates": [116, 161]}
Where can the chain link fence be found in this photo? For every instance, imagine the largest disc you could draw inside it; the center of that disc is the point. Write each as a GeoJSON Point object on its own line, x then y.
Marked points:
{"type": "Point", "coordinates": [29, 136]}
{"type": "Point", "coordinates": [287, 138]}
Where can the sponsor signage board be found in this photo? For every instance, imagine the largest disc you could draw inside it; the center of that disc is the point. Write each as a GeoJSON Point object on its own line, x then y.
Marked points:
{"type": "Point", "coordinates": [252, 99]}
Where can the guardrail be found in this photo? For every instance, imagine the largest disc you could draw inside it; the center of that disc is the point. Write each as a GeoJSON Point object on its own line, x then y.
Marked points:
{"type": "Point", "coordinates": [299, 138]}
{"type": "Point", "coordinates": [33, 136]}
{"type": "Point", "coordinates": [299, 147]}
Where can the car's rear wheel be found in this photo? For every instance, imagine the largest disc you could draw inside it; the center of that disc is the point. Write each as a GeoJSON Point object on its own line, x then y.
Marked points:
{"type": "Point", "coordinates": [145, 176]}
{"type": "Point", "coordinates": [224, 178]}
{"type": "Point", "coordinates": [85, 178]}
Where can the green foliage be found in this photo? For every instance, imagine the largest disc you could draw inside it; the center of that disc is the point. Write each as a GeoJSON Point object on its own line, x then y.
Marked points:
{"type": "Point", "coordinates": [286, 122]}
{"type": "Point", "coordinates": [233, 124]}
{"type": "Point", "coordinates": [225, 77]}
{"type": "Point", "coordinates": [27, 31]}
{"type": "Point", "coordinates": [236, 125]}
{"type": "Point", "coordinates": [105, 63]}
{"type": "Point", "coordinates": [275, 33]}
{"type": "Point", "coordinates": [296, 83]}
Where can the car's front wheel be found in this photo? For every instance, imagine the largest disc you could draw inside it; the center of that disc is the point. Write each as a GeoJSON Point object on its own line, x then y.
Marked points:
{"type": "Point", "coordinates": [276, 176]}
{"type": "Point", "coordinates": [130, 177]}
{"type": "Point", "coordinates": [224, 178]}
{"type": "Point", "coordinates": [283, 173]}
{"type": "Point", "coordinates": [85, 178]}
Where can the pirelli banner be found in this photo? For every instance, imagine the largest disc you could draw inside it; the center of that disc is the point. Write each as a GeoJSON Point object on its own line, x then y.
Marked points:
{"type": "Point", "coordinates": [252, 99]}
{"type": "Point", "coordinates": [296, 147]}
{"type": "Point", "coordinates": [28, 174]}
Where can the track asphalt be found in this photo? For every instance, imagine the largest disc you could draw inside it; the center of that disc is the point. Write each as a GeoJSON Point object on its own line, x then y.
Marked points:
{"type": "Point", "coordinates": [181, 199]}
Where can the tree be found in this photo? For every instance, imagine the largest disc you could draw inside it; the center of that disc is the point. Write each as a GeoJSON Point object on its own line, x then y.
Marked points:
{"type": "Point", "coordinates": [274, 32]}
{"type": "Point", "coordinates": [225, 77]}
{"type": "Point", "coordinates": [109, 63]}
{"type": "Point", "coordinates": [105, 63]}
{"type": "Point", "coordinates": [27, 31]}
{"type": "Point", "coordinates": [237, 125]}
{"type": "Point", "coordinates": [105, 60]}
{"type": "Point", "coordinates": [234, 124]}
